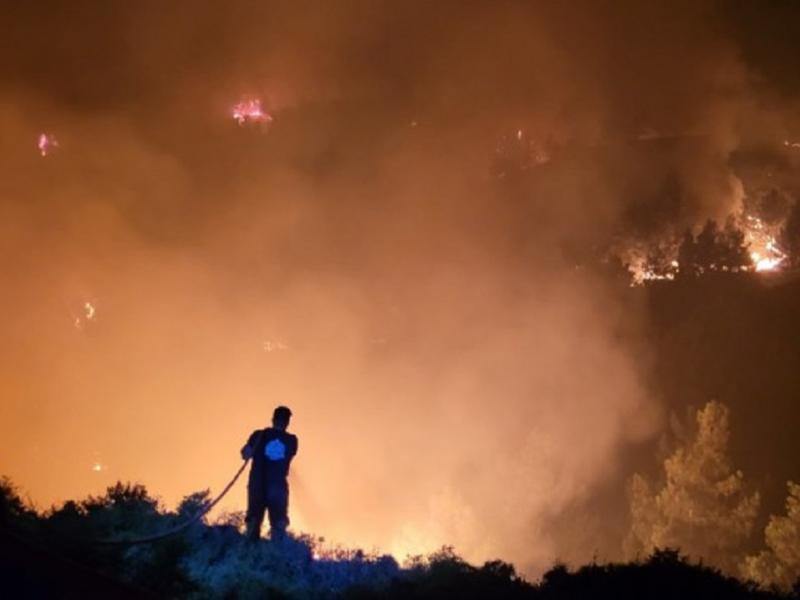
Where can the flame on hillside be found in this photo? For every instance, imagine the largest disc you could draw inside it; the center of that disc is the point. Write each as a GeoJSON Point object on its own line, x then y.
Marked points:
{"type": "Point", "coordinates": [46, 143]}
{"type": "Point", "coordinates": [660, 261]}
{"type": "Point", "coordinates": [250, 111]}
{"type": "Point", "coordinates": [761, 240]}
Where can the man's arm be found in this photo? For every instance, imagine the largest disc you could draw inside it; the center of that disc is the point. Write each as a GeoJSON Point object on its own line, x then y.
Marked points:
{"type": "Point", "coordinates": [249, 448]}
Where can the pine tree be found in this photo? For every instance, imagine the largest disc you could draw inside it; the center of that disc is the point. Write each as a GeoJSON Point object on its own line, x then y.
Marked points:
{"type": "Point", "coordinates": [687, 256]}
{"type": "Point", "coordinates": [702, 507]}
{"type": "Point", "coordinates": [707, 248]}
{"type": "Point", "coordinates": [779, 564]}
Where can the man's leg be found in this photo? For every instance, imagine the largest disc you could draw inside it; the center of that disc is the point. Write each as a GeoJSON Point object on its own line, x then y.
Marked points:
{"type": "Point", "coordinates": [278, 507]}
{"type": "Point", "coordinates": [255, 515]}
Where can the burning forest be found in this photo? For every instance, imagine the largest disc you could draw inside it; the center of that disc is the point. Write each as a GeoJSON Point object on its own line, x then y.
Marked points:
{"type": "Point", "coordinates": [524, 276]}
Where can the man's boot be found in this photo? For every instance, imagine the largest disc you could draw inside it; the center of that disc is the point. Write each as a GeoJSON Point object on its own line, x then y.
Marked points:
{"type": "Point", "coordinates": [253, 530]}
{"type": "Point", "coordinates": [277, 534]}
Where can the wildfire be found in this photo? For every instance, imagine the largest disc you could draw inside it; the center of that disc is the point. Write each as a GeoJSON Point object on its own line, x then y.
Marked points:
{"type": "Point", "coordinates": [766, 264]}
{"type": "Point", "coordinates": [764, 249]}
{"type": "Point", "coordinates": [46, 143]}
{"type": "Point", "coordinates": [274, 346]}
{"type": "Point", "coordinates": [759, 237]}
{"type": "Point", "coordinates": [250, 111]}
{"type": "Point", "coordinates": [641, 272]}
{"type": "Point", "coordinates": [88, 315]}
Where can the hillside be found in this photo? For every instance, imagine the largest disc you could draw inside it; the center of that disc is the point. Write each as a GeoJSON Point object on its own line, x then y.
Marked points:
{"type": "Point", "coordinates": [52, 556]}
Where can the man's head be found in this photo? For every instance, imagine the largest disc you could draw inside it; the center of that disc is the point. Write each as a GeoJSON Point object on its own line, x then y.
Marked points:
{"type": "Point", "coordinates": [280, 417]}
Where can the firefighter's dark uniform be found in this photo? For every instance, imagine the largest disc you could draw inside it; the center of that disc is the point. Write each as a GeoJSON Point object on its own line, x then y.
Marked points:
{"type": "Point", "coordinates": [267, 488]}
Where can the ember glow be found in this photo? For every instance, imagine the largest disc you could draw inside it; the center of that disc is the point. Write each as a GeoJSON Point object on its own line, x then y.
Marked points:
{"type": "Point", "coordinates": [250, 111]}
{"type": "Point", "coordinates": [641, 273]}
{"type": "Point", "coordinates": [88, 314]}
{"type": "Point", "coordinates": [46, 143]}
{"type": "Point", "coordinates": [274, 346]}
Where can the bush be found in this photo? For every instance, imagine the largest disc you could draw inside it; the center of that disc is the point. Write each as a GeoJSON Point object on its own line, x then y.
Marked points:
{"type": "Point", "coordinates": [217, 561]}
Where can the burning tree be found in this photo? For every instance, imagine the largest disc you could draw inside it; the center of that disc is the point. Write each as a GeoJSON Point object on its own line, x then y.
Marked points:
{"type": "Point", "coordinates": [714, 249]}
{"type": "Point", "coordinates": [732, 248]}
{"type": "Point", "coordinates": [779, 565]}
{"type": "Point", "coordinates": [702, 507]}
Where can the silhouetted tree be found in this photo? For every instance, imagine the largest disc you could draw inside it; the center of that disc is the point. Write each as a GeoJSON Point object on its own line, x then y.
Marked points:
{"type": "Point", "coordinates": [713, 250]}
{"type": "Point", "coordinates": [732, 248]}
{"type": "Point", "coordinates": [687, 256]}
{"type": "Point", "coordinates": [790, 235]}
{"type": "Point", "coordinates": [706, 247]}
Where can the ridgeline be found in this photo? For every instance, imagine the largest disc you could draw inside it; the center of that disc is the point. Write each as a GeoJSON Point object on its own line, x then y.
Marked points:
{"type": "Point", "coordinates": [53, 555]}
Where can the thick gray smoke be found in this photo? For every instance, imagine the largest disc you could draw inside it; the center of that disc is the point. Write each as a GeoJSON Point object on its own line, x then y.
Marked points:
{"type": "Point", "coordinates": [455, 379]}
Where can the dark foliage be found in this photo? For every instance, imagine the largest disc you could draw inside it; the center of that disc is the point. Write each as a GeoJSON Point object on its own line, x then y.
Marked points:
{"type": "Point", "coordinates": [446, 575]}
{"type": "Point", "coordinates": [665, 575]}
{"type": "Point", "coordinates": [790, 235]}
{"type": "Point", "coordinates": [57, 557]}
{"type": "Point", "coordinates": [13, 511]}
{"type": "Point", "coordinates": [713, 249]}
